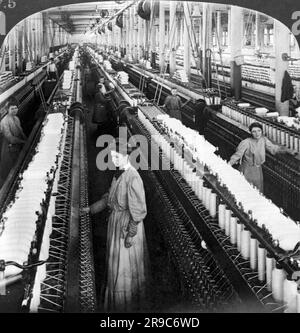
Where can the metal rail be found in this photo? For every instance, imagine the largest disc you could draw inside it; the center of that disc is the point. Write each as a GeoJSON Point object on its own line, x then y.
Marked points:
{"type": "Point", "coordinates": [80, 280]}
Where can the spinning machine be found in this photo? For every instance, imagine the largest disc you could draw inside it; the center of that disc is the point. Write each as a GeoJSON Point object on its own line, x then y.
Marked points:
{"type": "Point", "coordinates": [234, 248]}
{"type": "Point", "coordinates": [45, 243]}
{"type": "Point", "coordinates": [225, 124]}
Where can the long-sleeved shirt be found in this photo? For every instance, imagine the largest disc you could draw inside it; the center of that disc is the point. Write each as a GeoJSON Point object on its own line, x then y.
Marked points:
{"type": "Point", "coordinates": [52, 68]}
{"type": "Point", "coordinates": [173, 103]}
{"type": "Point", "coordinates": [252, 152]}
{"type": "Point", "coordinates": [11, 129]}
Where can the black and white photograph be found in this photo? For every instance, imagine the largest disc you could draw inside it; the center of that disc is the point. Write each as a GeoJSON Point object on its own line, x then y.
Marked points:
{"type": "Point", "coordinates": [149, 159]}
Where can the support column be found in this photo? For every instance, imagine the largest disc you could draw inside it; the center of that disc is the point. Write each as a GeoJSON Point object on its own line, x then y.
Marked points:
{"type": "Point", "coordinates": [12, 53]}
{"type": "Point", "coordinates": [146, 39]}
{"type": "Point", "coordinates": [56, 31]}
{"type": "Point", "coordinates": [46, 34]}
{"type": "Point", "coordinates": [236, 32]}
{"type": "Point", "coordinates": [162, 37]}
{"type": "Point", "coordinates": [20, 28]}
{"type": "Point", "coordinates": [112, 36]}
{"type": "Point", "coordinates": [24, 41]}
{"type": "Point", "coordinates": [16, 36]}
{"type": "Point", "coordinates": [218, 29]}
{"type": "Point", "coordinates": [140, 44]}
{"type": "Point", "coordinates": [180, 29]}
{"type": "Point", "coordinates": [118, 38]}
{"type": "Point", "coordinates": [115, 34]}
{"type": "Point", "coordinates": [172, 37]}
{"type": "Point", "coordinates": [229, 28]}
{"type": "Point", "coordinates": [206, 42]}
{"type": "Point", "coordinates": [130, 32]}
{"type": "Point", "coordinates": [135, 36]}
{"type": "Point", "coordinates": [51, 34]}
{"type": "Point", "coordinates": [59, 35]}
{"type": "Point", "coordinates": [37, 37]}
{"type": "Point", "coordinates": [259, 32]}
{"type": "Point", "coordinates": [282, 45]}
{"type": "Point", "coordinates": [40, 34]}
{"type": "Point", "coordinates": [121, 39]}
{"type": "Point", "coordinates": [33, 40]}
{"type": "Point", "coordinates": [29, 38]}
{"type": "Point", "coordinates": [257, 41]}
{"type": "Point", "coordinates": [127, 20]}
{"type": "Point", "coordinates": [153, 40]}
{"type": "Point", "coordinates": [187, 36]}
{"type": "Point", "coordinates": [108, 38]}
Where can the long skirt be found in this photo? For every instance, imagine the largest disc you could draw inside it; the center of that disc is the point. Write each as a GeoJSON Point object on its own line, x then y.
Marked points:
{"type": "Point", "coordinates": [176, 114]}
{"type": "Point", "coordinates": [9, 156]}
{"type": "Point", "coordinates": [127, 268]}
{"type": "Point", "coordinates": [254, 175]}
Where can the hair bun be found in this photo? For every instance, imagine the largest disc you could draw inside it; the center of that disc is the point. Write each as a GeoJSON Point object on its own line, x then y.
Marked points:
{"type": "Point", "coordinates": [256, 124]}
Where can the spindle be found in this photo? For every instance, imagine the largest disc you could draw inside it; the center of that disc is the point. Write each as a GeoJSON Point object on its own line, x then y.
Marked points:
{"type": "Point", "coordinates": [261, 263]}
{"type": "Point", "coordinates": [278, 277]}
{"type": "Point", "coordinates": [239, 231]}
{"type": "Point", "coordinates": [213, 205]}
{"type": "Point", "coordinates": [270, 263]}
{"type": "Point", "coordinates": [233, 230]}
{"type": "Point", "coordinates": [221, 215]}
{"type": "Point", "coordinates": [245, 243]}
{"type": "Point", "coordinates": [290, 295]}
{"type": "Point", "coordinates": [227, 221]}
{"type": "Point", "coordinates": [253, 253]}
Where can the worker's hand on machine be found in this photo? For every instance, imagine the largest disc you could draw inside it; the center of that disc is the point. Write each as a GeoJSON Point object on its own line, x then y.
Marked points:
{"type": "Point", "coordinates": [128, 241]}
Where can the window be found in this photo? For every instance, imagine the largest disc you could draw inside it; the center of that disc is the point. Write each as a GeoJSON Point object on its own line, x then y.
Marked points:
{"type": "Point", "coordinates": [225, 37]}
{"type": "Point", "coordinates": [268, 35]}
{"type": "Point", "coordinates": [249, 28]}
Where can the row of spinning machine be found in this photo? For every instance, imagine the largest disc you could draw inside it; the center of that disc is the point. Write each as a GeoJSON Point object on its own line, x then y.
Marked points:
{"type": "Point", "coordinates": [225, 124]}
{"type": "Point", "coordinates": [45, 243]}
{"type": "Point", "coordinates": [234, 247]}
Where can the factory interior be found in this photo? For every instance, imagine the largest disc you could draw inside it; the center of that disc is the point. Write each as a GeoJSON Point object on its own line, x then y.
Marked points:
{"type": "Point", "coordinates": [213, 242]}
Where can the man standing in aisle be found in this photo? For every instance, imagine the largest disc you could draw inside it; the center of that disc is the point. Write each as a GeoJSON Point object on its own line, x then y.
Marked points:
{"type": "Point", "coordinates": [52, 70]}
{"type": "Point", "coordinates": [173, 105]}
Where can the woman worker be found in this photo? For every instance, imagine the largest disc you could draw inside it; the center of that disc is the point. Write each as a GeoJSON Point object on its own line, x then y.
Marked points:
{"type": "Point", "coordinates": [126, 257]}
{"type": "Point", "coordinates": [13, 139]}
{"type": "Point", "coordinates": [251, 153]}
